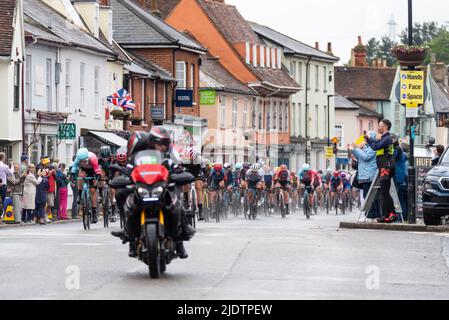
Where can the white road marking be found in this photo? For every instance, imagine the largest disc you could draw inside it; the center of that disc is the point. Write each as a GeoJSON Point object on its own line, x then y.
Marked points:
{"type": "Point", "coordinates": [82, 244]}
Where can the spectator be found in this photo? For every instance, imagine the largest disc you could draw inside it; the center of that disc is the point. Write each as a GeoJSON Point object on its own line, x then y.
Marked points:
{"type": "Point", "coordinates": [400, 176]}
{"type": "Point", "coordinates": [15, 182]}
{"type": "Point", "coordinates": [439, 150]}
{"type": "Point", "coordinates": [29, 194]}
{"type": "Point", "coordinates": [55, 212]}
{"type": "Point", "coordinates": [385, 163]}
{"type": "Point", "coordinates": [41, 197]}
{"type": "Point", "coordinates": [5, 173]}
{"type": "Point", "coordinates": [23, 169]}
{"type": "Point", "coordinates": [74, 188]}
{"type": "Point", "coordinates": [51, 176]}
{"type": "Point", "coordinates": [367, 167]}
{"type": "Point", "coordinates": [61, 178]}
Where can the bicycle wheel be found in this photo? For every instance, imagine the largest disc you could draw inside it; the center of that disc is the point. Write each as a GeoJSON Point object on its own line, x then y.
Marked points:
{"type": "Point", "coordinates": [337, 203]}
{"type": "Point", "coordinates": [344, 203]}
{"type": "Point", "coordinates": [86, 211]}
{"type": "Point", "coordinates": [217, 207]}
{"type": "Point", "coordinates": [306, 206]}
{"type": "Point", "coordinates": [281, 204]}
{"type": "Point", "coordinates": [106, 207]}
{"type": "Point", "coordinates": [194, 207]}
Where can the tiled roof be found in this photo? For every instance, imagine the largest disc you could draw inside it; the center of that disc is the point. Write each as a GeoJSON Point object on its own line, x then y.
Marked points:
{"type": "Point", "coordinates": [364, 83]}
{"type": "Point", "coordinates": [341, 103]}
{"type": "Point", "coordinates": [440, 97]}
{"type": "Point", "coordinates": [39, 16]}
{"type": "Point", "coordinates": [230, 22]}
{"type": "Point", "coordinates": [6, 30]}
{"type": "Point", "coordinates": [218, 77]}
{"type": "Point", "coordinates": [134, 25]}
{"type": "Point", "coordinates": [370, 113]}
{"type": "Point", "coordinates": [277, 77]}
{"type": "Point", "coordinates": [290, 45]}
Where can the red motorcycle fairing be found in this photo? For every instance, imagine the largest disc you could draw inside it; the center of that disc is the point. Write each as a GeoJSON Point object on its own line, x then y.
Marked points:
{"type": "Point", "coordinates": [149, 174]}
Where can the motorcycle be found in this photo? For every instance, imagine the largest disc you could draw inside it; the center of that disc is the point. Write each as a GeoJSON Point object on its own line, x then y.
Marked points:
{"type": "Point", "coordinates": [151, 179]}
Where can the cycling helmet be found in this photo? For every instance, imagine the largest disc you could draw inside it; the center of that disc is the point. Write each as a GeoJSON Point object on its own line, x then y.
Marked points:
{"type": "Point", "coordinates": [246, 165]}
{"type": "Point", "coordinates": [306, 167]}
{"type": "Point", "coordinates": [191, 154]}
{"type": "Point", "coordinates": [137, 142]}
{"type": "Point", "coordinates": [283, 167]}
{"type": "Point", "coordinates": [218, 167]}
{"type": "Point", "coordinates": [121, 154]}
{"type": "Point", "coordinates": [160, 135]}
{"type": "Point", "coordinates": [336, 174]}
{"type": "Point", "coordinates": [292, 173]}
{"type": "Point", "coordinates": [227, 166]}
{"type": "Point", "coordinates": [238, 166]}
{"type": "Point", "coordinates": [105, 152]}
{"type": "Point", "coordinates": [82, 154]}
{"type": "Point", "coordinates": [259, 165]}
{"type": "Point", "coordinates": [343, 175]}
{"type": "Point", "coordinates": [329, 170]}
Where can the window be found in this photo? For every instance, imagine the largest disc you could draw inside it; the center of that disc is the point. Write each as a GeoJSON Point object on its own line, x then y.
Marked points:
{"type": "Point", "coordinates": [339, 134]}
{"type": "Point", "coordinates": [262, 57]}
{"type": "Point", "coordinates": [234, 113]}
{"type": "Point", "coordinates": [181, 74]}
{"type": "Point", "coordinates": [371, 125]}
{"type": "Point", "coordinates": [260, 115]}
{"type": "Point", "coordinates": [268, 108]}
{"type": "Point", "coordinates": [68, 72]}
{"type": "Point", "coordinates": [48, 85]}
{"type": "Point", "coordinates": [82, 85]}
{"type": "Point", "coordinates": [281, 117]}
{"type": "Point", "coordinates": [245, 115]}
{"type": "Point", "coordinates": [397, 116]}
{"type": "Point", "coordinates": [253, 114]}
{"type": "Point", "coordinates": [28, 82]}
{"type": "Point", "coordinates": [300, 73]}
{"type": "Point", "coordinates": [317, 78]}
{"type": "Point", "coordinates": [325, 122]}
{"type": "Point", "coordinates": [325, 78]}
{"type": "Point", "coordinates": [308, 77]}
{"type": "Point", "coordinates": [317, 121]}
{"type": "Point", "coordinates": [97, 90]}
{"type": "Point", "coordinates": [293, 118]}
{"type": "Point", "coordinates": [223, 112]}
{"type": "Point", "coordinates": [17, 86]}
{"type": "Point", "coordinates": [299, 119]}
{"type": "Point", "coordinates": [360, 126]}
{"type": "Point", "coordinates": [293, 69]}
{"type": "Point", "coordinates": [274, 115]}
{"type": "Point", "coordinates": [96, 20]}
{"type": "Point", "coordinates": [110, 27]}
{"type": "Point", "coordinates": [268, 57]}
{"type": "Point", "coordinates": [192, 76]}
{"type": "Point", "coordinates": [273, 58]}
{"type": "Point", "coordinates": [286, 117]}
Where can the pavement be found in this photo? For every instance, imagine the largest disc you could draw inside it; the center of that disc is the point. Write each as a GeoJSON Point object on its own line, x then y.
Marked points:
{"type": "Point", "coordinates": [269, 258]}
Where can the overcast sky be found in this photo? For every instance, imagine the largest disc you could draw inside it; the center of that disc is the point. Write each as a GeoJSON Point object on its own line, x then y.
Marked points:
{"type": "Point", "coordinates": [338, 21]}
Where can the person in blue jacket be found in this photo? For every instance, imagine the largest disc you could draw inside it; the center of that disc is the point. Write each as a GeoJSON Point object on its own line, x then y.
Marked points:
{"type": "Point", "coordinates": [366, 171]}
{"type": "Point", "coordinates": [41, 197]}
{"type": "Point", "coordinates": [400, 175]}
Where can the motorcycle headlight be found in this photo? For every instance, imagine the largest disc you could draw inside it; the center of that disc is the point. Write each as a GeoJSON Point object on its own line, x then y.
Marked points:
{"type": "Point", "coordinates": [143, 193]}
{"type": "Point", "coordinates": [157, 192]}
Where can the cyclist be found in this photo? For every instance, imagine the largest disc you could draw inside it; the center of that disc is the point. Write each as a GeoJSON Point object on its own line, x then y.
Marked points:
{"type": "Point", "coordinates": [86, 166]}
{"type": "Point", "coordinates": [307, 178]}
{"type": "Point", "coordinates": [295, 185]}
{"type": "Point", "coordinates": [218, 180]}
{"type": "Point", "coordinates": [336, 184]}
{"type": "Point", "coordinates": [282, 180]}
{"type": "Point", "coordinates": [346, 185]}
{"type": "Point", "coordinates": [255, 179]}
{"type": "Point", "coordinates": [317, 184]}
{"type": "Point", "coordinates": [238, 168]}
{"type": "Point", "coordinates": [105, 161]}
{"type": "Point", "coordinates": [193, 162]}
{"type": "Point", "coordinates": [268, 181]}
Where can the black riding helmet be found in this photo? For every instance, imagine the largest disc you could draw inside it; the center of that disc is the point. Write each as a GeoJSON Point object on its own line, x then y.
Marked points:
{"type": "Point", "coordinates": [159, 135]}
{"type": "Point", "coordinates": [137, 142]}
{"type": "Point", "coordinates": [105, 152]}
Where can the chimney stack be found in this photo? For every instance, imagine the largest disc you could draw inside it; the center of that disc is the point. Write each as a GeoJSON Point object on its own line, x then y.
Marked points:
{"type": "Point", "coordinates": [104, 3]}
{"type": "Point", "coordinates": [360, 54]}
{"type": "Point", "coordinates": [152, 6]}
{"type": "Point", "coordinates": [317, 45]}
{"type": "Point", "coordinates": [329, 48]}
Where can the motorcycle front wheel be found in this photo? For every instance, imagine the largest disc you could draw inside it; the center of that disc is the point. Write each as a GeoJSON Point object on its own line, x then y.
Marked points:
{"type": "Point", "coordinates": [153, 255]}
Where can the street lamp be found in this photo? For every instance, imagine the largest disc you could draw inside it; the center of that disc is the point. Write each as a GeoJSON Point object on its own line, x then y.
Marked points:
{"type": "Point", "coordinates": [328, 124]}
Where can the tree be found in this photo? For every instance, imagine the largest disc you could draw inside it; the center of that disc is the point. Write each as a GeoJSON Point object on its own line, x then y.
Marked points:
{"type": "Point", "coordinates": [440, 46]}
{"type": "Point", "coordinates": [380, 49]}
{"type": "Point", "coordinates": [372, 48]}
{"type": "Point", "coordinates": [422, 33]}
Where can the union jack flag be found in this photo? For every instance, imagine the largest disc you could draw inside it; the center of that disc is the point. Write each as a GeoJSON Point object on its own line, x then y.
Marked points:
{"type": "Point", "coordinates": [122, 99]}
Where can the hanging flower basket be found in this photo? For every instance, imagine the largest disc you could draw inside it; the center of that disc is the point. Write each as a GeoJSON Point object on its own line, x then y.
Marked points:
{"type": "Point", "coordinates": [410, 56]}
{"type": "Point", "coordinates": [119, 114]}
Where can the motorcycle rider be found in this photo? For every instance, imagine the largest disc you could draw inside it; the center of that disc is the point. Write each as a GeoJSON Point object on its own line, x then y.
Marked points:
{"type": "Point", "coordinates": [157, 139]}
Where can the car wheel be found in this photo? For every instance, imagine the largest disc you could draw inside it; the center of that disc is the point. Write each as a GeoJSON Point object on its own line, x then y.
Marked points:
{"type": "Point", "coordinates": [431, 219]}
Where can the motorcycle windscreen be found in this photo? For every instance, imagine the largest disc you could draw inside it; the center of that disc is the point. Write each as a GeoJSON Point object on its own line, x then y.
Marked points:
{"type": "Point", "coordinates": [149, 174]}
{"type": "Point", "coordinates": [147, 157]}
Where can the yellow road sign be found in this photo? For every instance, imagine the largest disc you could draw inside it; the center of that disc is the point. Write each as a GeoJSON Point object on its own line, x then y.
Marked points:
{"type": "Point", "coordinates": [329, 152]}
{"type": "Point", "coordinates": [412, 87]}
